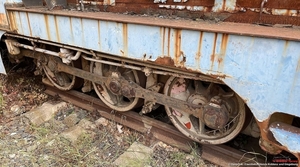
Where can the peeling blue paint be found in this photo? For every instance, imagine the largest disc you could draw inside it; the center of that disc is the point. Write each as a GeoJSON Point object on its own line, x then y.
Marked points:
{"type": "Point", "coordinates": [287, 139]}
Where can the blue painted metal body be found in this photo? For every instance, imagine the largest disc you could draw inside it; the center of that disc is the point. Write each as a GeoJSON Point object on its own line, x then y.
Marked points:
{"type": "Point", "coordinates": [265, 72]}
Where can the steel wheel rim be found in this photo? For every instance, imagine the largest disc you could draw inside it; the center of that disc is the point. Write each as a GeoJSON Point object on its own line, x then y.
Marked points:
{"type": "Point", "coordinates": [182, 121]}
{"type": "Point", "coordinates": [116, 102]}
{"type": "Point", "coordinates": [58, 78]}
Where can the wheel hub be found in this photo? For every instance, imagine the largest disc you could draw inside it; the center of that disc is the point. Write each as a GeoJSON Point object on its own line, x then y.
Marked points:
{"type": "Point", "coordinates": [115, 87]}
{"type": "Point", "coordinates": [197, 99]}
{"type": "Point", "coordinates": [113, 92]}
{"type": "Point", "coordinates": [215, 114]}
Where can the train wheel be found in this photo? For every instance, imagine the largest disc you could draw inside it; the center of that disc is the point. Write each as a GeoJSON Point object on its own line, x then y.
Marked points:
{"type": "Point", "coordinates": [198, 92]}
{"type": "Point", "coordinates": [60, 80]}
{"type": "Point", "coordinates": [115, 101]}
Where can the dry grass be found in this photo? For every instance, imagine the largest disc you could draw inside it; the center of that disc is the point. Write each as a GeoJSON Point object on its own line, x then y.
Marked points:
{"type": "Point", "coordinates": [167, 156]}
{"type": "Point", "coordinates": [1, 91]}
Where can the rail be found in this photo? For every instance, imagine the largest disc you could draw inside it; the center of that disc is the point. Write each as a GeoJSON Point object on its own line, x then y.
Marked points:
{"type": "Point", "coordinates": [221, 155]}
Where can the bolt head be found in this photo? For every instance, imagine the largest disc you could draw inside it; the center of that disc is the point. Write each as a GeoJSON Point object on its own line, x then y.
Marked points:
{"type": "Point", "coordinates": [115, 87]}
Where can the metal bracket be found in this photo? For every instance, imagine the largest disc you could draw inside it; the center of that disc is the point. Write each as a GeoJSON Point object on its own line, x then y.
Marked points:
{"type": "Point", "coordinates": [148, 105]}
{"type": "Point", "coordinates": [261, 8]}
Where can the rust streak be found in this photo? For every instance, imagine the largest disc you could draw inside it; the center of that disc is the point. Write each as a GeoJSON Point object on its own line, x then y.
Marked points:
{"type": "Point", "coordinates": [71, 29]}
{"type": "Point", "coordinates": [286, 45]}
{"type": "Point", "coordinates": [221, 57]}
{"type": "Point", "coordinates": [198, 54]}
{"type": "Point", "coordinates": [125, 39]}
{"type": "Point", "coordinates": [298, 66]}
{"type": "Point", "coordinates": [29, 27]}
{"type": "Point", "coordinates": [212, 57]}
{"type": "Point", "coordinates": [47, 26]}
{"type": "Point", "coordinates": [223, 5]}
{"type": "Point", "coordinates": [169, 40]}
{"type": "Point", "coordinates": [12, 21]}
{"type": "Point", "coordinates": [224, 43]}
{"type": "Point", "coordinates": [99, 37]}
{"type": "Point", "coordinates": [178, 52]}
{"type": "Point", "coordinates": [163, 34]}
{"type": "Point", "coordinates": [82, 30]}
{"type": "Point", "coordinates": [56, 28]}
{"type": "Point", "coordinates": [3, 20]}
{"type": "Point", "coordinates": [20, 22]}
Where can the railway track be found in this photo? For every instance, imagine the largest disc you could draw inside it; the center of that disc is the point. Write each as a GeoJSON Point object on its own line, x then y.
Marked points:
{"type": "Point", "coordinates": [221, 155]}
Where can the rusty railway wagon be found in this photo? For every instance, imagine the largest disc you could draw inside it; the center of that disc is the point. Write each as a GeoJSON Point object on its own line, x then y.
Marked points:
{"type": "Point", "coordinates": [219, 67]}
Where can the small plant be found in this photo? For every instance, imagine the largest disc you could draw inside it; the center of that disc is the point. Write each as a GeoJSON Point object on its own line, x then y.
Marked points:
{"type": "Point", "coordinates": [41, 131]}
{"type": "Point", "coordinates": [133, 137]}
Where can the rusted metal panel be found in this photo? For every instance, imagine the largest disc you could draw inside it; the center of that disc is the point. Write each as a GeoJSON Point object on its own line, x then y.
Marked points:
{"type": "Point", "coordinates": [253, 17]}
{"type": "Point", "coordinates": [258, 11]}
{"type": "Point", "coordinates": [278, 4]}
{"type": "Point", "coordinates": [170, 2]}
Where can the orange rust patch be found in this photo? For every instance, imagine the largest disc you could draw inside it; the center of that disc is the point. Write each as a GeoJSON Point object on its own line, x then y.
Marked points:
{"type": "Point", "coordinates": [166, 61]}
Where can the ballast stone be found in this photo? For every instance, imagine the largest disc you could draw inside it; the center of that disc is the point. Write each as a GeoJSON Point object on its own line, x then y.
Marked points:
{"type": "Point", "coordinates": [73, 133]}
{"type": "Point", "coordinates": [136, 155]}
{"type": "Point", "coordinates": [44, 112]}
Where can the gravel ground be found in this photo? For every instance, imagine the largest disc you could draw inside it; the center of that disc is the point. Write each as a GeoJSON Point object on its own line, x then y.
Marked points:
{"type": "Point", "coordinates": [24, 144]}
